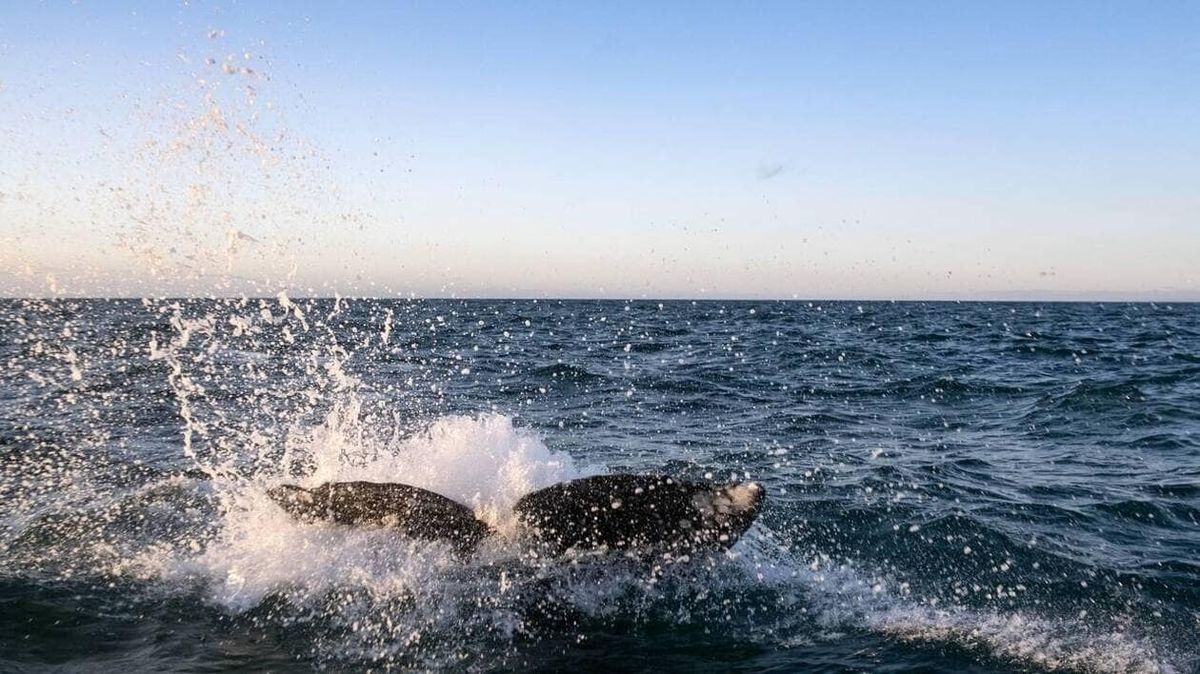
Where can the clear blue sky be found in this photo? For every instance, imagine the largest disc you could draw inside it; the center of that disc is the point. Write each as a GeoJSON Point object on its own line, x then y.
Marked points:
{"type": "Point", "coordinates": [620, 150]}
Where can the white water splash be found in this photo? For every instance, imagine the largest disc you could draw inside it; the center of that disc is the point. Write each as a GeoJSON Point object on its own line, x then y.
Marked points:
{"type": "Point", "coordinates": [841, 595]}
{"type": "Point", "coordinates": [1056, 645]}
{"type": "Point", "coordinates": [483, 461]}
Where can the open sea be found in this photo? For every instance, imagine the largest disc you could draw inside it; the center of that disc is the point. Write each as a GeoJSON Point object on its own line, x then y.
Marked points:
{"type": "Point", "coordinates": [952, 487]}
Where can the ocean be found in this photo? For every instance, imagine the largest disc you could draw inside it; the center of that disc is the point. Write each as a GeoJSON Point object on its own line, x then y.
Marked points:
{"type": "Point", "coordinates": [951, 487]}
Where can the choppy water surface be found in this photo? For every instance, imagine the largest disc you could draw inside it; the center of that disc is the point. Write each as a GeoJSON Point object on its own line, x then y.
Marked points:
{"type": "Point", "coordinates": [952, 487]}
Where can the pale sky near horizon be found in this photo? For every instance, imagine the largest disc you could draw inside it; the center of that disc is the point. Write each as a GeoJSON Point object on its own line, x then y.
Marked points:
{"type": "Point", "coordinates": [814, 150]}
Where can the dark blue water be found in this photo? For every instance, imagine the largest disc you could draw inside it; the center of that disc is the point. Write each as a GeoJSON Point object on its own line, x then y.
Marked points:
{"type": "Point", "coordinates": [984, 487]}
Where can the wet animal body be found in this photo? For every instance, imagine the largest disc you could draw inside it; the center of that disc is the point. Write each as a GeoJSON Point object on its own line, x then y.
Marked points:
{"type": "Point", "coordinates": [640, 511]}
{"type": "Point", "coordinates": [601, 512]}
{"type": "Point", "coordinates": [415, 512]}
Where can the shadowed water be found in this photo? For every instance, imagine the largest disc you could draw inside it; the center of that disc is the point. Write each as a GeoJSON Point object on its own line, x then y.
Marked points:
{"type": "Point", "coordinates": [986, 487]}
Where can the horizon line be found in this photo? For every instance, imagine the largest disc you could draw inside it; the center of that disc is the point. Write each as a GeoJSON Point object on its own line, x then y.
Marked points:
{"type": "Point", "coordinates": [1136, 298]}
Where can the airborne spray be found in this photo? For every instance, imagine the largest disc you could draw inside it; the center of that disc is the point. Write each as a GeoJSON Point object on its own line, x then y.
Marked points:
{"type": "Point", "coordinates": [266, 389]}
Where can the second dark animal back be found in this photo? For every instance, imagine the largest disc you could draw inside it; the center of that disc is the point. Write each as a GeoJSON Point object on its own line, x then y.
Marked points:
{"type": "Point", "coordinates": [640, 511]}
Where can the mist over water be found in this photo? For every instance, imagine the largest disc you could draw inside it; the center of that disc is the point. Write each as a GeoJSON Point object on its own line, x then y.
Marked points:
{"type": "Point", "coordinates": [983, 487]}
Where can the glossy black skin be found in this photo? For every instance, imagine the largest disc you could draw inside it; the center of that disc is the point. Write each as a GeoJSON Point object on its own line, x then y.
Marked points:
{"type": "Point", "coordinates": [653, 512]}
{"type": "Point", "coordinates": [650, 512]}
{"type": "Point", "coordinates": [417, 513]}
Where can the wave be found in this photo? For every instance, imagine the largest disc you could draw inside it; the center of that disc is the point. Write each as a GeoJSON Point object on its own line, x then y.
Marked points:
{"type": "Point", "coordinates": [564, 372]}
{"type": "Point", "coordinates": [845, 595]}
{"type": "Point", "coordinates": [1056, 645]}
{"type": "Point", "coordinates": [1091, 395]}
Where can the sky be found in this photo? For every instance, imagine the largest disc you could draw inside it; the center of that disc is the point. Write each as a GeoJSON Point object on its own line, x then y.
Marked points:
{"type": "Point", "coordinates": [695, 150]}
